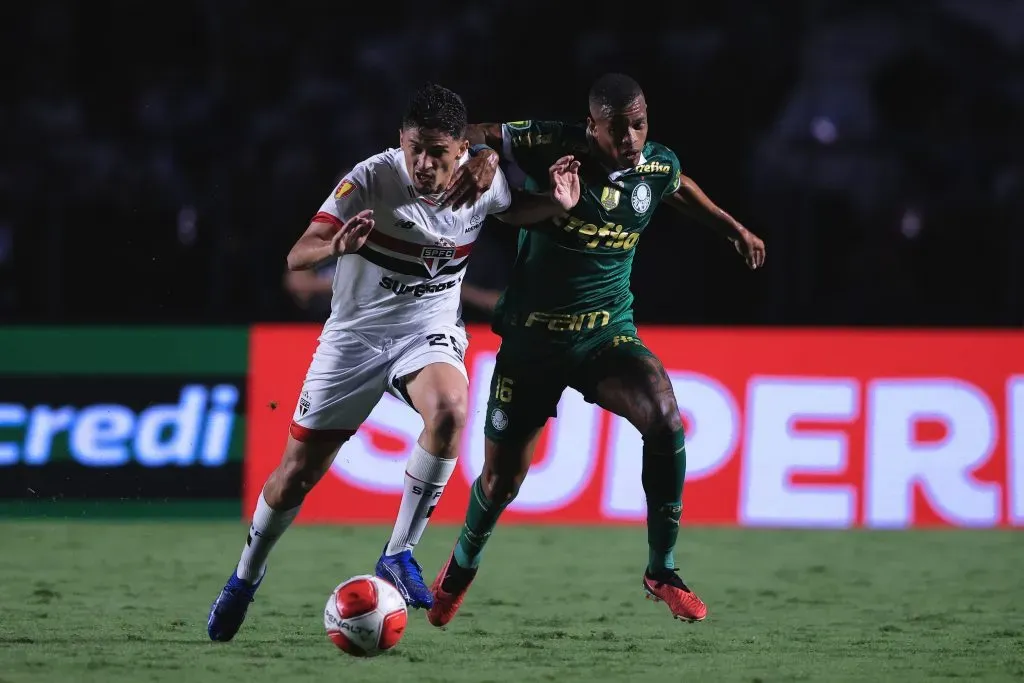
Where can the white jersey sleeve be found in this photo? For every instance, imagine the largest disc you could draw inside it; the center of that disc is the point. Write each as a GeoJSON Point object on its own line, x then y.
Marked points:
{"type": "Point", "coordinates": [353, 194]}
{"type": "Point", "coordinates": [498, 197]}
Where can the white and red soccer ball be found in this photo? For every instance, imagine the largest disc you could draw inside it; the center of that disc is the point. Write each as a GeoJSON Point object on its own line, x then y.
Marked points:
{"type": "Point", "coordinates": [365, 616]}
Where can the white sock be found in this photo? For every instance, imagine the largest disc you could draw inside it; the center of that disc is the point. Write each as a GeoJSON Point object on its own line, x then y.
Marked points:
{"type": "Point", "coordinates": [425, 478]}
{"type": "Point", "coordinates": [267, 526]}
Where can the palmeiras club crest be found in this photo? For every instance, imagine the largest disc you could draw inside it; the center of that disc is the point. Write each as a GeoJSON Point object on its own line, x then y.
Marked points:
{"type": "Point", "coordinates": [438, 255]}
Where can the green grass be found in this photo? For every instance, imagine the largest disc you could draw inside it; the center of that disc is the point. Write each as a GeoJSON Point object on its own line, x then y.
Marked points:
{"type": "Point", "coordinates": [127, 602]}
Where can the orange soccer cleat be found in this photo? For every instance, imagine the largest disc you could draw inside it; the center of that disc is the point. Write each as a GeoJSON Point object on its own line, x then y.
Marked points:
{"type": "Point", "coordinates": [449, 589]}
{"type": "Point", "coordinates": [667, 587]}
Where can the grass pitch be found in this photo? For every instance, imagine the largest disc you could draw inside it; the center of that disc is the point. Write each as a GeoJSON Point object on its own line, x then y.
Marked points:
{"type": "Point", "coordinates": [127, 602]}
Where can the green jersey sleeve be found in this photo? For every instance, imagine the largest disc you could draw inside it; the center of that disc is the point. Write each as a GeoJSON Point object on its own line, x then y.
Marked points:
{"type": "Point", "coordinates": [533, 146]}
{"type": "Point", "coordinates": [673, 161]}
{"type": "Point", "coordinates": [526, 138]}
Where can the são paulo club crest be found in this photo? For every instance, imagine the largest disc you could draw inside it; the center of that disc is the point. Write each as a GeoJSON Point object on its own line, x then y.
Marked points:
{"type": "Point", "coordinates": [438, 255]}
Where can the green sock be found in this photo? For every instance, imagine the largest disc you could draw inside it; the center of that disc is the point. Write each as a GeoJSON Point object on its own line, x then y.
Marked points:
{"type": "Point", "coordinates": [664, 470]}
{"type": "Point", "coordinates": [481, 517]}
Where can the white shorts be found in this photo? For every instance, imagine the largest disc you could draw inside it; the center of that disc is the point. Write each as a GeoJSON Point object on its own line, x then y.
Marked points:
{"type": "Point", "coordinates": [348, 376]}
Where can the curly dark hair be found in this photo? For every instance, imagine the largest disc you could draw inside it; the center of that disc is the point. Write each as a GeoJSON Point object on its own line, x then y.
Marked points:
{"type": "Point", "coordinates": [614, 92]}
{"type": "Point", "coordinates": [437, 108]}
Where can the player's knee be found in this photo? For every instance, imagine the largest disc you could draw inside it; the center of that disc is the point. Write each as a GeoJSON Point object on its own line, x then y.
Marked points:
{"type": "Point", "coordinates": [445, 416]}
{"type": "Point", "coordinates": [296, 476]}
{"type": "Point", "coordinates": [662, 420]}
{"type": "Point", "coordinates": [501, 481]}
{"type": "Point", "coordinates": [502, 487]}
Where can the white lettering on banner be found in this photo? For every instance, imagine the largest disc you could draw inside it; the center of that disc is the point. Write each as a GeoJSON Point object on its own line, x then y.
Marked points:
{"type": "Point", "coordinates": [622, 496]}
{"type": "Point", "coordinates": [217, 435]}
{"type": "Point", "coordinates": [44, 424]}
{"type": "Point", "coordinates": [564, 471]}
{"type": "Point", "coordinates": [1015, 448]}
{"type": "Point", "coordinates": [471, 462]}
{"type": "Point", "coordinates": [110, 435]}
{"type": "Point", "coordinates": [100, 437]}
{"type": "Point", "coordinates": [10, 416]}
{"type": "Point", "coordinates": [183, 420]}
{"type": "Point", "coordinates": [895, 463]}
{"type": "Point", "coordinates": [714, 420]}
{"type": "Point", "coordinates": [777, 446]}
{"type": "Point", "coordinates": [360, 464]}
{"type": "Point", "coordinates": [774, 452]}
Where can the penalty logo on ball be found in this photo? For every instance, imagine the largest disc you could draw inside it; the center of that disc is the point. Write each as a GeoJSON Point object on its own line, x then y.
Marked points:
{"type": "Point", "coordinates": [365, 616]}
{"type": "Point", "coordinates": [499, 420]}
{"type": "Point", "coordinates": [641, 198]}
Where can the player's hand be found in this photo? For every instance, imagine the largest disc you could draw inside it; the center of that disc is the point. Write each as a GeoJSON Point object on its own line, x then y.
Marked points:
{"type": "Point", "coordinates": [750, 247]}
{"type": "Point", "coordinates": [471, 180]}
{"type": "Point", "coordinates": [352, 235]}
{"type": "Point", "coordinates": [565, 181]}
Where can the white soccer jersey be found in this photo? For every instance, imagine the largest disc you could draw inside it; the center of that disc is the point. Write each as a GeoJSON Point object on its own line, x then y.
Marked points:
{"type": "Point", "coordinates": [407, 276]}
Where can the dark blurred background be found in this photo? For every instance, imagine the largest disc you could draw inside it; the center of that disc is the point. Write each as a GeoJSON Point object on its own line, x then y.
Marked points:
{"type": "Point", "coordinates": [160, 158]}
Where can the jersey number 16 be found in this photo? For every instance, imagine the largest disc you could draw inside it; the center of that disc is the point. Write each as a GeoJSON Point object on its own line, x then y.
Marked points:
{"type": "Point", "coordinates": [503, 389]}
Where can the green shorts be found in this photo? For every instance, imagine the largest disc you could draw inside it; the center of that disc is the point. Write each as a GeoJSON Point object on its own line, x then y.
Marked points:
{"type": "Point", "coordinates": [530, 375]}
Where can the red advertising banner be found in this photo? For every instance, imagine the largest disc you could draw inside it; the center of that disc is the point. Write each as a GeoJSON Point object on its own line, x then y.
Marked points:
{"type": "Point", "coordinates": [785, 428]}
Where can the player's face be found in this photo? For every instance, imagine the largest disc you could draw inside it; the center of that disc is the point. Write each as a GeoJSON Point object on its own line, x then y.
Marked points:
{"type": "Point", "coordinates": [431, 156]}
{"type": "Point", "coordinates": [620, 135]}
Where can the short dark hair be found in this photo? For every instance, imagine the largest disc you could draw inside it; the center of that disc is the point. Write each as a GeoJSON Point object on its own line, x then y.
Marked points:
{"type": "Point", "coordinates": [614, 92]}
{"type": "Point", "coordinates": [437, 108]}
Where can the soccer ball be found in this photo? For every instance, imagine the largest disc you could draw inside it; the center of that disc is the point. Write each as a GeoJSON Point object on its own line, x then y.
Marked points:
{"type": "Point", "coordinates": [365, 616]}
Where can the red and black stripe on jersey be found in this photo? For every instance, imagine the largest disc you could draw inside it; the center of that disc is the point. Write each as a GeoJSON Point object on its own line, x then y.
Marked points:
{"type": "Point", "coordinates": [376, 242]}
{"type": "Point", "coordinates": [404, 267]}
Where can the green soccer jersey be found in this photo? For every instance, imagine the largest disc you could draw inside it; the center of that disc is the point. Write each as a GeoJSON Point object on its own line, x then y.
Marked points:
{"type": "Point", "coordinates": [571, 274]}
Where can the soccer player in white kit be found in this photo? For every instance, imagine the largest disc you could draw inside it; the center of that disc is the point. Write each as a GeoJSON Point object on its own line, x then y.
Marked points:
{"type": "Point", "coordinates": [395, 326]}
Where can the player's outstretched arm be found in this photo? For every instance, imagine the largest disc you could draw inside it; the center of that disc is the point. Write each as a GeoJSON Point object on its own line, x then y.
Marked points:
{"type": "Point", "coordinates": [323, 240]}
{"type": "Point", "coordinates": [527, 208]}
{"type": "Point", "coordinates": [480, 297]}
{"type": "Point", "coordinates": [473, 178]}
{"type": "Point", "coordinates": [486, 134]}
{"type": "Point", "coordinates": [691, 201]}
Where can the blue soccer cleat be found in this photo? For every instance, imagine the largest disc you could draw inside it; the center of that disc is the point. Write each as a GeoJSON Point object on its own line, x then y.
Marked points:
{"type": "Point", "coordinates": [404, 573]}
{"type": "Point", "coordinates": [228, 611]}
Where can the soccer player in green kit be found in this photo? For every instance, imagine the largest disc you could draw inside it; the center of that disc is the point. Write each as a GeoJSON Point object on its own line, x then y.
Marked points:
{"type": "Point", "coordinates": [566, 320]}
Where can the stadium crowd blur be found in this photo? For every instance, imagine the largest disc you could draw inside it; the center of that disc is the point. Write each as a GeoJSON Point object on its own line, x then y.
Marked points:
{"type": "Point", "coordinates": [160, 158]}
